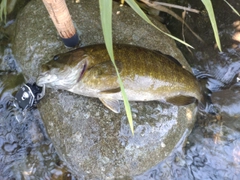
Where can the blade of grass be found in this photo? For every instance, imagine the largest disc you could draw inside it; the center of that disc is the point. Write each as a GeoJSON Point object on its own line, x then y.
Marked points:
{"type": "Point", "coordinates": [106, 20]}
{"type": "Point", "coordinates": [139, 11]}
{"type": "Point", "coordinates": [3, 10]}
{"type": "Point", "coordinates": [209, 8]}
{"type": "Point", "coordinates": [232, 8]}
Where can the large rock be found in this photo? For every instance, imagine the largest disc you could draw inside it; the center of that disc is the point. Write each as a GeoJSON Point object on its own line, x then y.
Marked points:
{"type": "Point", "coordinates": [95, 142]}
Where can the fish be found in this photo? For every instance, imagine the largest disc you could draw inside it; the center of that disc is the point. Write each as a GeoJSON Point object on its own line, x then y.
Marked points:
{"type": "Point", "coordinates": [147, 75]}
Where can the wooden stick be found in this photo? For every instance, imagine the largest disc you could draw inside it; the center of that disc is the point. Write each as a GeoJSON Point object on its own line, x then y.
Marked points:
{"type": "Point", "coordinates": [62, 20]}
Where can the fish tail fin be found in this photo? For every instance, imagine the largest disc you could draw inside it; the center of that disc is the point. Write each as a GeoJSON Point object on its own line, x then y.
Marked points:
{"type": "Point", "coordinates": [205, 104]}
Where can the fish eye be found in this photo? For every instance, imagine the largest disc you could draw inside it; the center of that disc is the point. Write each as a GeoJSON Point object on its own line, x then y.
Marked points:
{"type": "Point", "coordinates": [56, 57]}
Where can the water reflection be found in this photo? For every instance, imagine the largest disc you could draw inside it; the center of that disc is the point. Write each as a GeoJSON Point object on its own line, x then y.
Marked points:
{"type": "Point", "coordinates": [26, 152]}
{"type": "Point", "coordinates": [212, 152]}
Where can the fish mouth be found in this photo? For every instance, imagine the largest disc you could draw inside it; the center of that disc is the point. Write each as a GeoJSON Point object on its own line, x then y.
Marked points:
{"type": "Point", "coordinates": [84, 68]}
{"type": "Point", "coordinates": [45, 78]}
{"type": "Point", "coordinates": [40, 81]}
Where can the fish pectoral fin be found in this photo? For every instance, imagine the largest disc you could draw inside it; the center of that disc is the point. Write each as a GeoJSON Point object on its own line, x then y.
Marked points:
{"type": "Point", "coordinates": [181, 100]}
{"type": "Point", "coordinates": [112, 104]}
{"type": "Point", "coordinates": [110, 91]}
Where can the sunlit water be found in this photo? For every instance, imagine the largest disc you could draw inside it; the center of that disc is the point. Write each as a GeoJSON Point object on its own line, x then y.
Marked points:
{"type": "Point", "coordinates": [26, 152]}
{"type": "Point", "coordinates": [212, 150]}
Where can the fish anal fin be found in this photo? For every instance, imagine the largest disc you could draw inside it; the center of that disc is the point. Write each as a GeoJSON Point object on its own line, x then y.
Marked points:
{"type": "Point", "coordinates": [112, 104]}
{"type": "Point", "coordinates": [181, 100]}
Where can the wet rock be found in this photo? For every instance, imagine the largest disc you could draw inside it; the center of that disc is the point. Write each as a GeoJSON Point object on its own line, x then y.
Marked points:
{"type": "Point", "coordinates": [93, 141]}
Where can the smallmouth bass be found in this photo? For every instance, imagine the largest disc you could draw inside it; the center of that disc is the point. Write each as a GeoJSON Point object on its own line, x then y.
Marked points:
{"type": "Point", "coordinates": [147, 75]}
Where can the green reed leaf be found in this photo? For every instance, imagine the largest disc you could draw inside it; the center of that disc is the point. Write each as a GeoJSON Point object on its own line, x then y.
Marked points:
{"type": "Point", "coordinates": [106, 20]}
{"type": "Point", "coordinates": [209, 8]}
{"type": "Point", "coordinates": [139, 11]}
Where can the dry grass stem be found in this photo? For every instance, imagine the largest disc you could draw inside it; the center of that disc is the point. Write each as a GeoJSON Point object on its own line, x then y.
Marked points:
{"type": "Point", "coordinates": [171, 5]}
{"type": "Point", "coordinates": [183, 30]}
{"type": "Point", "coordinates": [159, 7]}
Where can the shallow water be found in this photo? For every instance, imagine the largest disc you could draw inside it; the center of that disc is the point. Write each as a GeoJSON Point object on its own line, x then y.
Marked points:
{"type": "Point", "coordinates": [212, 150]}
{"type": "Point", "coordinates": [26, 151]}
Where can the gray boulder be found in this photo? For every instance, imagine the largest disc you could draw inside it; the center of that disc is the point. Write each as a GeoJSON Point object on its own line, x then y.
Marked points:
{"type": "Point", "coordinates": [95, 142]}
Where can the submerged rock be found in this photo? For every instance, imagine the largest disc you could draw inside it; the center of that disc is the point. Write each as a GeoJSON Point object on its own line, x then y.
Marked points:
{"type": "Point", "coordinates": [93, 141]}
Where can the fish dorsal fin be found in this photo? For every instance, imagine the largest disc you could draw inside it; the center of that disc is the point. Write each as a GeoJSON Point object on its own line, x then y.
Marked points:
{"type": "Point", "coordinates": [112, 104]}
{"type": "Point", "coordinates": [169, 57]}
{"type": "Point", "coordinates": [109, 91]}
{"type": "Point", "coordinates": [181, 100]}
